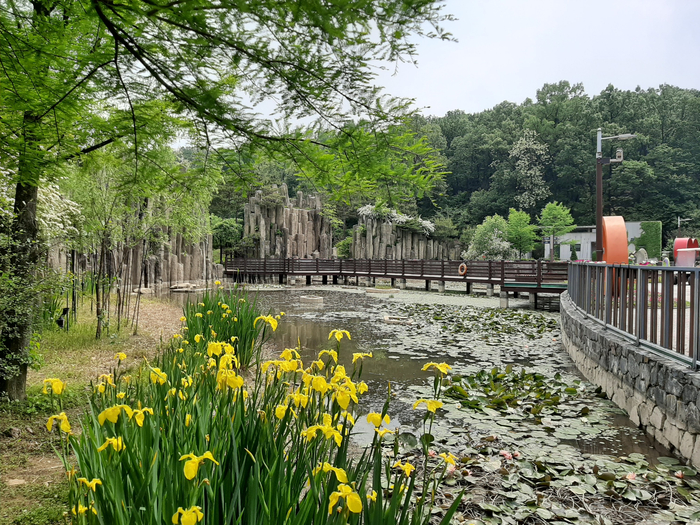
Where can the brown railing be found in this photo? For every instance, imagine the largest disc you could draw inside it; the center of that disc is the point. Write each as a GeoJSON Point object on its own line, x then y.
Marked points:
{"type": "Point", "coordinates": [656, 307]}
{"type": "Point", "coordinates": [535, 273]}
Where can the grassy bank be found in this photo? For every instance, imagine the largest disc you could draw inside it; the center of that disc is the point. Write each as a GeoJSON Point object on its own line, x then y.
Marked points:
{"type": "Point", "coordinates": [33, 485]}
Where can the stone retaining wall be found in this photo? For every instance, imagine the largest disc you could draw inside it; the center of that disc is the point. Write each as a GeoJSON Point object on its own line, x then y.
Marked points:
{"type": "Point", "coordinates": [660, 395]}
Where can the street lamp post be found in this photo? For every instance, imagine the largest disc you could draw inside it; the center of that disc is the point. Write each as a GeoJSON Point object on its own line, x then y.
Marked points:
{"type": "Point", "coordinates": [679, 225]}
{"type": "Point", "coordinates": [600, 161]}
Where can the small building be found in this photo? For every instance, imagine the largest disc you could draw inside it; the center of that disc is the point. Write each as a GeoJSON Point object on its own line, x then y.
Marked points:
{"type": "Point", "coordinates": [583, 241]}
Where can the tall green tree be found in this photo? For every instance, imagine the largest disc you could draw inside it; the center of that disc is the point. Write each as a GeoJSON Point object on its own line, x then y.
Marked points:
{"type": "Point", "coordinates": [79, 74]}
{"type": "Point", "coordinates": [519, 232]}
{"type": "Point", "coordinates": [555, 220]}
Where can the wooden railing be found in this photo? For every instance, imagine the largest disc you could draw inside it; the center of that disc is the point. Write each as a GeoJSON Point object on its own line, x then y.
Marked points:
{"type": "Point", "coordinates": [504, 273]}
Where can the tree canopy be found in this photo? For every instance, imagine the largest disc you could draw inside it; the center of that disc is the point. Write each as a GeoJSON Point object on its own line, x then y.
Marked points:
{"type": "Point", "coordinates": [78, 75]}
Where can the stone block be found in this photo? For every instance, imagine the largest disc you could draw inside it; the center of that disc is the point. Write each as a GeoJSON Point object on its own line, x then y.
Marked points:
{"type": "Point", "coordinates": [672, 433]}
{"type": "Point", "coordinates": [644, 372]}
{"type": "Point", "coordinates": [689, 393]}
{"type": "Point", "coordinates": [658, 395]}
{"type": "Point", "coordinates": [687, 444]}
{"type": "Point", "coordinates": [659, 436]}
{"type": "Point", "coordinates": [622, 366]}
{"type": "Point", "coordinates": [673, 386]}
{"type": "Point", "coordinates": [645, 410]}
{"type": "Point", "coordinates": [641, 385]}
{"type": "Point", "coordinates": [681, 415]}
{"type": "Point", "coordinates": [693, 417]}
{"type": "Point", "coordinates": [632, 366]}
{"type": "Point", "coordinates": [669, 407]}
{"type": "Point", "coordinates": [657, 418]}
{"type": "Point", "coordinates": [654, 374]}
{"type": "Point", "coordinates": [695, 457]}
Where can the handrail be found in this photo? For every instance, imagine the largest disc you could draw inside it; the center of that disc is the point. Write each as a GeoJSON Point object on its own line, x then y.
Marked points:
{"type": "Point", "coordinates": [532, 273]}
{"type": "Point", "coordinates": [653, 306]}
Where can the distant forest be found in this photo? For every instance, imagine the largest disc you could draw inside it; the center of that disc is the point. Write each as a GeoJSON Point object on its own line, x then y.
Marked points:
{"type": "Point", "coordinates": [524, 155]}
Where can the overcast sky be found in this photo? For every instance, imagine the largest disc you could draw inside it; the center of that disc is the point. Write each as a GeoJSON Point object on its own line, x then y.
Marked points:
{"type": "Point", "coordinates": [507, 49]}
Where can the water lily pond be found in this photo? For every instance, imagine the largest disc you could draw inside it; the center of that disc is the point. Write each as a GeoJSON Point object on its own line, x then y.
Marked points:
{"type": "Point", "coordinates": [536, 443]}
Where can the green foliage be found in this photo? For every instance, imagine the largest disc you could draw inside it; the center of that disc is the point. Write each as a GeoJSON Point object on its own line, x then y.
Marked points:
{"type": "Point", "coordinates": [344, 247]}
{"type": "Point", "coordinates": [229, 317]}
{"type": "Point", "coordinates": [520, 233]}
{"type": "Point", "coordinates": [226, 232]}
{"type": "Point", "coordinates": [507, 390]}
{"type": "Point", "coordinates": [207, 431]}
{"type": "Point", "coordinates": [445, 229]}
{"type": "Point", "coordinates": [490, 241]}
{"type": "Point", "coordinates": [650, 239]}
{"type": "Point", "coordinates": [555, 220]}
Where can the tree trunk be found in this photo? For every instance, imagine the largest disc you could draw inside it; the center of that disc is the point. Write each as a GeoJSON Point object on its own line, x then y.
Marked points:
{"type": "Point", "coordinates": [14, 341]}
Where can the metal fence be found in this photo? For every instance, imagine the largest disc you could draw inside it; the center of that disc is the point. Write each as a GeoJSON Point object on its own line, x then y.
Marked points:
{"type": "Point", "coordinates": [656, 307]}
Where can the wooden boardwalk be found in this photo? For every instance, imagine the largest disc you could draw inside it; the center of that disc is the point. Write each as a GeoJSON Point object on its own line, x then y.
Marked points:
{"type": "Point", "coordinates": [511, 276]}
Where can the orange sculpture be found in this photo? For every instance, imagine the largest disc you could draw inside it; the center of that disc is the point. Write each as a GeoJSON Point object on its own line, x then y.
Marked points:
{"type": "Point", "coordinates": [615, 240]}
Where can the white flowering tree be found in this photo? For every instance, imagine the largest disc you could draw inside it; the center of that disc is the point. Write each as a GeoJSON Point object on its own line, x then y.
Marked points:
{"type": "Point", "coordinates": [490, 241]}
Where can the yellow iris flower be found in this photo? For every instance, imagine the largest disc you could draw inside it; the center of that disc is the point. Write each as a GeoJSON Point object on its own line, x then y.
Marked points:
{"type": "Point", "coordinates": [193, 463]}
{"type": "Point", "coordinates": [91, 485]}
{"type": "Point", "coordinates": [449, 458]}
{"type": "Point", "coordinates": [158, 376]}
{"type": "Point", "coordinates": [431, 404]}
{"type": "Point", "coordinates": [320, 384]}
{"type": "Point", "coordinates": [327, 428]}
{"type": "Point", "coordinates": [406, 467]}
{"type": "Point", "coordinates": [139, 415]}
{"type": "Point", "coordinates": [376, 419]}
{"type": "Point", "coordinates": [339, 334]}
{"type": "Point", "coordinates": [352, 499]}
{"type": "Point", "coordinates": [63, 418]}
{"type": "Point", "coordinates": [120, 355]}
{"type": "Point", "coordinates": [360, 356]}
{"type": "Point", "coordinates": [442, 367]}
{"type": "Point", "coordinates": [112, 413]}
{"type": "Point", "coordinates": [281, 410]}
{"type": "Point", "coordinates": [327, 467]}
{"type": "Point", "coordinates": [183, 319]}
{"type": "Point", "coordinates": [372, 496]}
{"type": "Point", "coordinates": [268, 319]}
{"type": "Point", "coordinates": [116, 443]}
{"type": "Point", "coordinates": [383, 431]}
{"type": "Point", "coordinates": [289, 354]}
{"type": "Point", "coordinates": [228, 378]}
{"type": "Point", "coordinates": [189, 516]}
{"type": "Point", "coordinates": [56, 385]}
{"type": "Point", "coordinates": [198, 338]}
{"type": "Point", "coordinates": [331, 353]}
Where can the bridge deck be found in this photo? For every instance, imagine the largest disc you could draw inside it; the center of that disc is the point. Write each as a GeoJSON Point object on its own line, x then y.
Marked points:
{"type": "Point", "coordinates": [535, 276]}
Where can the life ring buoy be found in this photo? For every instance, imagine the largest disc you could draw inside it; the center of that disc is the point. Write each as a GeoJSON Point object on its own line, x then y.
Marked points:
{"type": "Point", "coordinates": [462, 269]}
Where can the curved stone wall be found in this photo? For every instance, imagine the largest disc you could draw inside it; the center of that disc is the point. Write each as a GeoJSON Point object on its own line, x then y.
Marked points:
{"type": "Point", "coordinates": [660, 395]}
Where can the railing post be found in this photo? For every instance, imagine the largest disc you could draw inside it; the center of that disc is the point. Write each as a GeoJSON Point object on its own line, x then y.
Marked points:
{"type": "Point", "coordinates": [539, 273]}
{"type": "Point", "coordinates": [641, 284]}
{"type": "Point", "coordinates": [695, 320]}
{"type": "Point", "coordinates": [608, 294]}
{"type": "Point", "coordinates": [503, 272]}
{"type": "Point", "coordinates": [442, 274]}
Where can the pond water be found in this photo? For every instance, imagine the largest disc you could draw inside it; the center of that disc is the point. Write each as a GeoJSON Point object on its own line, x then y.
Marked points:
{"type": "Point", "coordinates": [453, 329]}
